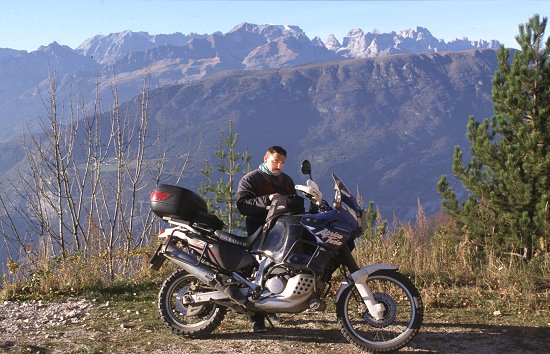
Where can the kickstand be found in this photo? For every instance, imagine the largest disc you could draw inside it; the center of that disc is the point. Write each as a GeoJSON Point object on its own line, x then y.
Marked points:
{"type": "Point", "coordinates": [269, 320]}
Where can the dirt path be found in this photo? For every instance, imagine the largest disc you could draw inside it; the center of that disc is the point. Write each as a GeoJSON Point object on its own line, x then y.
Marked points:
{"type": "Point", "coordinates": [79, 328]}
{"type": "Point", "coordinates": [325, 337]}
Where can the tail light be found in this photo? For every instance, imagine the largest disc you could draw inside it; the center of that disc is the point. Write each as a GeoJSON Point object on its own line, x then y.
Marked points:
{"type": "Point", "coordinates": [157, 196]}
{"type": "Point", "coordinates": [162, 236]}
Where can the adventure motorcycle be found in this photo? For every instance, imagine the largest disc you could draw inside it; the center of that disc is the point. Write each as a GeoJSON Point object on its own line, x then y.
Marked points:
{"type": "Point", "coordinates": [285, 267]}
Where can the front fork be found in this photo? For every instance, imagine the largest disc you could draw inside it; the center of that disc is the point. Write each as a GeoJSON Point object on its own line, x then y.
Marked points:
{"type": "Point", "coordinates": [359, 280]}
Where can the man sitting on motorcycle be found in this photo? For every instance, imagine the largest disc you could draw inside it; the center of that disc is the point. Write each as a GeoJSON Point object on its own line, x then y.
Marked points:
{"type": "Point", "coordinates": [255, 192]}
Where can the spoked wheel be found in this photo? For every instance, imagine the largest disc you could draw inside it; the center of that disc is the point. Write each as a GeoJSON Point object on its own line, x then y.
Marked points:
{"type": "Point", "coordinates": [402, 316]}
{"type": "Point", "coordinates": [180, 314]}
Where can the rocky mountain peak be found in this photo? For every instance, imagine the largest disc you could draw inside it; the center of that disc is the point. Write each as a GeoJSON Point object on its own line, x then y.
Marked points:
{"type": "Point", "coordinates": [358, 44]}
{"type": "Point", "coordinates": [54, 47]}
{"type": "Point", "coordinates": [332, 43]}
{"type": "Point", "coordinates": [417, 33]}
{"type": "Point", "coordinates": [318, 42]}
{"type": "Point", "coordinates": [355, 35]}
{"type": "Point", "coordinates": [61, 52]}
{"type": "Point", "coordinates": [268, 32]}
{"type": "Point", "coordinates": [107, 49]}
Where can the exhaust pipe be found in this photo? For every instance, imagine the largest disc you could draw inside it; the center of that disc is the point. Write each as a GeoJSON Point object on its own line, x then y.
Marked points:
{"type": "Point", "coordinates": [190, 264]}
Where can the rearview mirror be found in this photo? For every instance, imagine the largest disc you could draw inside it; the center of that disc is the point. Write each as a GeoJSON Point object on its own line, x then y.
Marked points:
{"type": "Point", "coordinates": [306, 168]}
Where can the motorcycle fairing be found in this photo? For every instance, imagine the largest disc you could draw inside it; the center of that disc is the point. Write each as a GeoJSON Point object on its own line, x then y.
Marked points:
{"type": "Point", "coordinates": [331, 229]}
{"type": "Point", "coordinates": [284, 237]}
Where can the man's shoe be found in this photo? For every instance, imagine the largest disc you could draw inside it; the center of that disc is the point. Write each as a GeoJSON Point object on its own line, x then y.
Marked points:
{"type": "Point", "coordinates": [259, 327]}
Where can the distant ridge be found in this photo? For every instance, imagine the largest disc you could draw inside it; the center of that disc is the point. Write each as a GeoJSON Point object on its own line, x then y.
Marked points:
{"type": "Point", "coordinates": [178, 58]}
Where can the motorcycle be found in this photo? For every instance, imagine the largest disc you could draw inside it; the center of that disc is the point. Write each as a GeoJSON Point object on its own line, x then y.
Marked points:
{"type": "Point", "coordinates": [285, 267]}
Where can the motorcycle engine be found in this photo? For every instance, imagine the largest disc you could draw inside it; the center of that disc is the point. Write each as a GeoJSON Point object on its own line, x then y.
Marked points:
{"type": "Point", "coordinates": [286, 290]}
{"type": "Point", "coordinates": [287, 283]}
{"type": "Point", "coordinates": [276, 284]}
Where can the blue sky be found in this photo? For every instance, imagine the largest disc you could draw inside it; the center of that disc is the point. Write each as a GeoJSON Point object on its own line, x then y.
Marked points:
{"type": "Point", "coordinates": [28, 24]}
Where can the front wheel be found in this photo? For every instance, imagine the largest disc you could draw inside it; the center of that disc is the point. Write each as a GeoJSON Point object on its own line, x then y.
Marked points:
{"type": "Point", "coordinates": [402, 317]}
{"type": "Point", "coordinates": [183, 316]}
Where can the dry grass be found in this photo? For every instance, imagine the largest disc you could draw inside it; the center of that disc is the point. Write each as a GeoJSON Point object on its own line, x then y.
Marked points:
{"type": "Point", "coordinates": [449, 271]}
{"type": "Point", "coordinates": [75, 274]}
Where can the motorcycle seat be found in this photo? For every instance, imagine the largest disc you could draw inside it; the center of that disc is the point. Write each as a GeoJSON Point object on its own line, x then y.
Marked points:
{"type": "Point", "coordinates": [245, 242]}
{"type": "Point", "coordinates": [208, 220]}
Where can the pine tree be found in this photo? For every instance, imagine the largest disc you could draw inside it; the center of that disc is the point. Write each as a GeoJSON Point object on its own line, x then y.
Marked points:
{"type": "Point", "coordinates": [220, 195]}
{"type": "Point", "coordinates": [508, 176]}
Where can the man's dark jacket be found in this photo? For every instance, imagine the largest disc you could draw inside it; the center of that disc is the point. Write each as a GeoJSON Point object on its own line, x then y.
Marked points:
{"type": "Point", "coordinates": [253, 195]}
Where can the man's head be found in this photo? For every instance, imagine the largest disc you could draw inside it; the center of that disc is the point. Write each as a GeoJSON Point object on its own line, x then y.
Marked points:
{"type": "Point", "coordinates": [274, 159]}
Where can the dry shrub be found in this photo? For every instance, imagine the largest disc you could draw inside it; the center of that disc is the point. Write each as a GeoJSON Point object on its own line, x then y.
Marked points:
{"type": "Point", "coordinates": [452, 271]}
{"type": "Point", "coordinates": [42, 277]}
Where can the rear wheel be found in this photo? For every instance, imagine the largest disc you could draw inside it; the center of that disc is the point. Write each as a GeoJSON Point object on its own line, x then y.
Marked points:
{"type": "Point", "coordinates": [181, 315]}
{"type": "Point", "coordinates": [402, 317]}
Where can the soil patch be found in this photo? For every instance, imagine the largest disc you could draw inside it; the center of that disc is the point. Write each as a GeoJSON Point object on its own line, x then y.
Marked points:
{"type": "Point", "coordinates": [80, 326]}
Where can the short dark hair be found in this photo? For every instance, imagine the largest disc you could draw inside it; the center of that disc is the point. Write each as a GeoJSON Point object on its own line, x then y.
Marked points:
{"type": "Point", "coordinates": [276, 149]}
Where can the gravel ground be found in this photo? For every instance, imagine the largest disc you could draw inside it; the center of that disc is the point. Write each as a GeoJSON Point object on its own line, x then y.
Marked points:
{"type": "Point", "coordinates": [69, 327]}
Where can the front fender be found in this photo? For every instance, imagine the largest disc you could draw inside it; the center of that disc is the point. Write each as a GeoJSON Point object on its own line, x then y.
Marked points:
{"type": "Point", "coordinates": [360, 276]}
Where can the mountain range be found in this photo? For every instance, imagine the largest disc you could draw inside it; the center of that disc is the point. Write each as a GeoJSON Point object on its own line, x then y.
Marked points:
{"type": "Point", "coordinates": [177, 58]}
{"type": "Point", "coordinates": [383, 110]}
